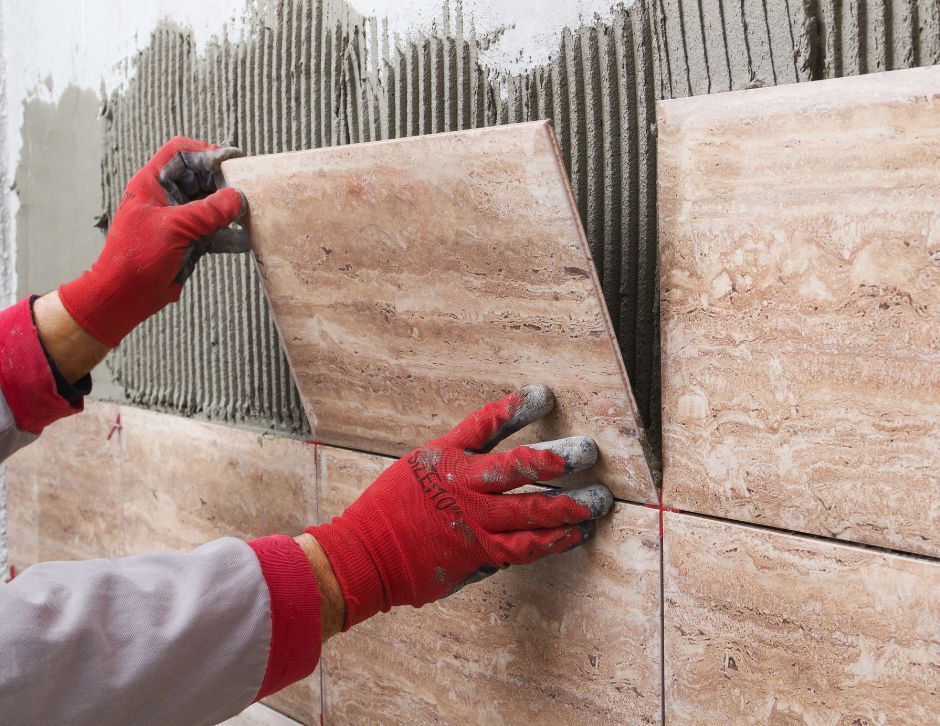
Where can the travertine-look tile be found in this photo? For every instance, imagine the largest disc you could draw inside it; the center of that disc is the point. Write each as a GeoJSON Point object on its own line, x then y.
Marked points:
{"type": "Point", "coordinates": [64, 491]}
{"type": "Point", "coordinates": [413, 280]}
{"type": "Point", "coordinates": [800, 263]}
{"type": "Point", "coordinates": [300, 701]}
{"type": "Point", "coordinates": [765, 627]}
{"type": "Point", "coordinates": [187, 482]}
{"type": "Point", "coordinates": [571, 639]}
{"type": "Point", "coordinates": [259, 715]}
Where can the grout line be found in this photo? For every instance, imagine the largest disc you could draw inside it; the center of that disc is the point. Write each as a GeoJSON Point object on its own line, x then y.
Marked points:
{"type": "Point", "coordinates": [617, 500]}
{"type": "Point", "coordinates": [817, 537]}
{"type": "Point", "coordinates": [662, 625]}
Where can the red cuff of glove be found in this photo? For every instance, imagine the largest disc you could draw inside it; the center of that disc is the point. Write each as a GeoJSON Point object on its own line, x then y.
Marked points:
{"type": "Point", "coordinates": [25, 377]}
{"type": "Point", "coordinates": [296, 627]}
{"type": "Point", "coordinates": [364, 589]}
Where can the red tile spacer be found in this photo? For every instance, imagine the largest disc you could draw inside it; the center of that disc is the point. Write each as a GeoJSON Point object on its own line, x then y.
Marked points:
{"type": "Point", "coordinates": [116, 426]}
{"type": "Point", "coordinates": [662, 508]}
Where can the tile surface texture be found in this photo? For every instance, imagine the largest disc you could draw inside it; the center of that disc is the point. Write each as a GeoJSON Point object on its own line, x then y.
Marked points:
{"type": "Point", "coordinates": [259, 715]}
{"type": "Point", "coordinates": [800, 282]}
{"type": "Point", "coordinates": [64, 492]}
{"type": "Point", "coordinates": [414, 280]}
{"type": "Point", "coordinates": [186, 482]}
{"type": "Point", "coordinates": [572, 639]}
{"type": "Point", "coordinates": [764, 627]}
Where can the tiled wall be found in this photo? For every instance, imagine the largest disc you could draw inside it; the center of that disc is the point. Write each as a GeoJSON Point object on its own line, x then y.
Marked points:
{"type": "Point", "coordinates": [760, 625]}
{"type": "Point", "coordinates": [800, 286]}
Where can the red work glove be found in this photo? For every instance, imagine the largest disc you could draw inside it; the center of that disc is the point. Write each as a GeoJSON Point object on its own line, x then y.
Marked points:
{"type": "Point", "coordinates": [171, 214]}
{"type": "Point", "coordinates": [438, 519]}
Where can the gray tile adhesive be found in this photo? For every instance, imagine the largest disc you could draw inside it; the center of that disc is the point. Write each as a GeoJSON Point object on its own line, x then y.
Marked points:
{"type": "Point", "coordinates": [306, 74]}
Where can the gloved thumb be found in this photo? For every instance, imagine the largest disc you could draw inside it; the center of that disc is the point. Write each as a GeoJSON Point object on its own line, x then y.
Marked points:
{"type": "Point", "coordinates": [204, 216]}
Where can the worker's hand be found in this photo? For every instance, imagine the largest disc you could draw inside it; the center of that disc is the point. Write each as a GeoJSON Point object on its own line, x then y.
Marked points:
{"type": "Point", "coordinates": [172, 213]}
{"type": "Point", "coordinates": [438, 519]}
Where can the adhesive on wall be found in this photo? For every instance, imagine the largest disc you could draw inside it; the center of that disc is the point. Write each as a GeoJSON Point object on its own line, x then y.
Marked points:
{"type": "Point", "coordinates": [305, 74]}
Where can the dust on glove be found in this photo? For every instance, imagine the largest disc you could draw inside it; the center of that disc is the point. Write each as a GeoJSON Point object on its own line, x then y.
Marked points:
{"type": "Point", "coordinates": [439, 518]}
{"type": "Point", "coordinates": [172, 213]}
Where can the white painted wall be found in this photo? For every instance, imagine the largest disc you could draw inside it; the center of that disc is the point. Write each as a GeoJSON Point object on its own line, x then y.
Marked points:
{"type": "Point", "coordinates": [49, 44]}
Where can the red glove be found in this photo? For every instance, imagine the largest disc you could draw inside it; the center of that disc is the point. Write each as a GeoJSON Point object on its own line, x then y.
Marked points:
{"type": "Point", "coordinates": [437, 519]}
{"type": "Point", "coordinates": [165, 223]}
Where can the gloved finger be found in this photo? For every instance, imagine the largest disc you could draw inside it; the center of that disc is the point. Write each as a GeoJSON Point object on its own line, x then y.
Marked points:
{"type": "Point", "coordinates": [191, 175]}
{"type": "Point", "coordinates": [579, 452]}
{"type": "Point", "coordinates": [204, 216]}
{"type": "Point", "coordinates": [173, 147]}
{"type": "Point", "coordinates": [526, 546]}
{"type": "Point", "coordinates": [528, 464]}
{"type": "Point", "coordinates": [484, 429]}
{"type": "Point", "coordinates": [227, 240]}
{"type": "Point", "coordinates": [542, 510]}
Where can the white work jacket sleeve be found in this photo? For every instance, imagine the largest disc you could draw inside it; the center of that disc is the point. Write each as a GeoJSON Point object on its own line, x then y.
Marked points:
{"type": "Point", "coordinates": [170, 638]}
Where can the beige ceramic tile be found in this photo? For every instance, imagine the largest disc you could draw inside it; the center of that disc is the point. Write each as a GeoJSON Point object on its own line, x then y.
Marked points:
{"type": "Point", "coordinates": [187, 482]}
{"type": "Point", "coordinates": [800, 243]}
{"type": "Point", "coordinates": [259, 715]}
{"type": "Point", "coordinates": [300, 701]}
{"type": "Point", "coordinates": [572, 639]}
{"type": "Point", "coordinates": [413, 280]}
{"type": "Point", "coordinates": [764, 627]}
{"type": "Point", "coordinates": [64, 491]}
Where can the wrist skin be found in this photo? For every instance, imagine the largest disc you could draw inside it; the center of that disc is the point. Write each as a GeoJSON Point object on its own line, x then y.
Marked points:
{"type": "Point", "coordinates": [332, 605]}
{"type": "Point", "coordinates": [73, 349]}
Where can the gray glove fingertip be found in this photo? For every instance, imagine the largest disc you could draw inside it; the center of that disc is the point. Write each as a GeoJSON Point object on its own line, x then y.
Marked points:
{"type": "Point", "coordinates": [597, 498]}
{"type": "Point", "coordinates": [537, 401]}
{"type": "Point", "coordinates": [579, 452]}
{"type": "Point", "coordinates": [227, 240]}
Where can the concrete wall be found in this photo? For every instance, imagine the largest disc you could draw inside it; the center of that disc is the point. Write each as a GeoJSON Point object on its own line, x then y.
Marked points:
{"type": "Point", "coordinates": [92, 88]}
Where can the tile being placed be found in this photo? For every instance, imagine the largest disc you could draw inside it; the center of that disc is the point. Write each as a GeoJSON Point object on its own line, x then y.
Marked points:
{"type": "Point", "coordinates": [764, 627]}
{"type": "Point", "coordinates": [64, 491]}
{"type": "Point", "coordinates": [571, 639]}
{"type": "Point", "coordinates": [414, 280]}
{"type": "Point", "coordinates": [800, 282]}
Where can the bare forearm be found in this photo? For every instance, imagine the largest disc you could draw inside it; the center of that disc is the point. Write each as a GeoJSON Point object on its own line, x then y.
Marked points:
{"type": "Point", "coordinates": [74, 351]}
{"type": "Point", "coordinates": [332, 605]}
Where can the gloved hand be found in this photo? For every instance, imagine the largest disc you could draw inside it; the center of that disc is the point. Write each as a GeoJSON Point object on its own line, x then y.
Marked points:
{"type": "Point", "coordinates": [438, 519]}
{"type": "Point", "coordinates": [171, 214]}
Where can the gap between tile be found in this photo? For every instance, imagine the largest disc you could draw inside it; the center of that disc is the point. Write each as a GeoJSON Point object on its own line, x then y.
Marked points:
{"type": "Point", "coordinates": [807, 535]}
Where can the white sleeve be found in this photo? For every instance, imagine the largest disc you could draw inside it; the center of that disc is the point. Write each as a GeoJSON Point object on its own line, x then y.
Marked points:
{"type": "Point", "coordinates": [171, 638]}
